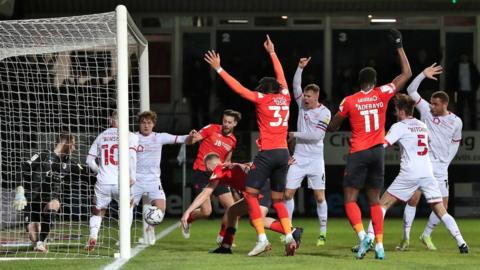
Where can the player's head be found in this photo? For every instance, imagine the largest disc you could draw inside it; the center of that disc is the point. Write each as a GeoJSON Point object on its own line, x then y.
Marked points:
{"type": "Point", "coordinates": [66, 143]}
{"type": "Point", "coordinates": [211, 160]}
{"type": "Point", "coordinates": [367, 78]}
{"type": "Point", "coordinates": [311, 93]}
{"type": "Point", "coordinates": [230, 120]}
{"type": "Point", "coordinates": [114, 119]}
{"type": "Point", "coordinates": [268, 85]}
{"type": "Point", "coordinates": [404, 106]}
{"type": "Point", "coordinates": [439, 103]}
{"type": "Point", "coordinates": [146, 122]}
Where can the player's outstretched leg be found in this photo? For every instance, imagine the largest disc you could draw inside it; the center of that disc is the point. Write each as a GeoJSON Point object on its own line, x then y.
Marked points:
{"type": "Point", "coordinates": [451, 225]}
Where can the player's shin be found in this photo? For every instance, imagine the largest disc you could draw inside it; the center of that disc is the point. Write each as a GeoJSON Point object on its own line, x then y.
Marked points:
{"type": "Point", "coordinates": [282, 214]}
{"type": "Point", "coordinates": [433, 221]}
{"type": "Point", "coordinates": [322, 212]}
{"type": "Point", "coordinates": [377, 213]}
{"type": "Point", "coordinates": [408, 217]}
{"type": "Point", "coordinates": [255, 215]}
{"type": "Point", "coordinates": [48, 217]}
{"type": "Point", "coordinates": [95, 223]}
{"type": "Point", "coordinates": [354, 215]}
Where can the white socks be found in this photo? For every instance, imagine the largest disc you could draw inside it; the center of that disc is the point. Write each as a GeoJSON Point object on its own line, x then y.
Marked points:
{"type": "Point", "coordinates": [322, 212]}
{"type": "Point", "coordinates": [95, 223]}
{"type": "Point", "coordinates": [262, 237]}
{"type": "Point", "coordinates": [433, 221]}
{"type": "Point", "coordinates": [408, 217]}
{"type": "Point", "coordinates": [451, 225]}
{"type": "Point", "coordinates": [290, 204]}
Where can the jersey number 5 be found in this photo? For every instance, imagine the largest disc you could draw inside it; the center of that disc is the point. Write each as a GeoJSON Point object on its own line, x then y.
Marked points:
{"type": "Point", "coordinates": [376, 122]}
{"type": "Point", "coordinates": [276, 113]}
{"type": "Point", "coordinates": [109, 154]}
{"type": "Point", "coordinates": [422, 143]}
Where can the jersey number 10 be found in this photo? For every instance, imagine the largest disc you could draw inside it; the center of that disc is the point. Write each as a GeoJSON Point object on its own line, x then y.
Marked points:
{"type": "Point", "coordinates": [109, 154]}
{"type": "Point", "coordinates": [376, 122]}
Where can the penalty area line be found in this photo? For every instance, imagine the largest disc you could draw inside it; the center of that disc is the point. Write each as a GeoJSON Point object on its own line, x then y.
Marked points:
{"type": "Point", "coordinates": [118, 263]}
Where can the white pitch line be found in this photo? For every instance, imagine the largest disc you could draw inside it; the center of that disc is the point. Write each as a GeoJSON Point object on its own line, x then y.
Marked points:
{"type": "Point", "coordinates": [120, 262]}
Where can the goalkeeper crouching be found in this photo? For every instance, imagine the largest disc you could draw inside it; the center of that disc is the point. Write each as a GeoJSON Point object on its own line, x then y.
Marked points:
{"type": "Point", "coordinates": [42, 192]}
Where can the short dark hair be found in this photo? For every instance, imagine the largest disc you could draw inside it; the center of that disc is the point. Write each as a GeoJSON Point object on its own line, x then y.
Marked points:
{"type": "Point", "coordinates": [442, 95]}
{"type": "Point", "coordinates": [148, 115]}
{"type": "Point", "coordinates": [268, 85]}
{"type": "Point", "coordinates": [405, 103]}
{"type": "Point", "coordinates": [367, 76]}
{"type": "Point", "coordinates": [236, 115]}
{"type": "Point", "coordinates": [65, 137]}
{"type": "Point", "coordinates": [312, 87]}
{"type": "Point", "coordinates": [210, 156]}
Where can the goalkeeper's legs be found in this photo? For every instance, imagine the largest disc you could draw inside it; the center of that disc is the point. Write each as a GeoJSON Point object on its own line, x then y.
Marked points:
{"type": "Point", "coordinates": [47, 217]}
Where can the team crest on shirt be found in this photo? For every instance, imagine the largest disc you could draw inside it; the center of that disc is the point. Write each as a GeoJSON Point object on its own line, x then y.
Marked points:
{"type": "Point", "coordinates": [140, 148]}
{"type": "Point", "coordinates": [436, 120]}
{"type": "Point", "coordinates": [280, 100]}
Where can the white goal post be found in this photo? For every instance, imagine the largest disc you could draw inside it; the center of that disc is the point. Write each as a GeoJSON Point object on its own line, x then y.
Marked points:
{"type": "Point", "coordinates": [68, 74]}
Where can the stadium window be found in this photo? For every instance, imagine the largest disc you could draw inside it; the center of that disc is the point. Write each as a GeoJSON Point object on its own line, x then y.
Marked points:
{"type": "Point", "coordinates": [160, 48]}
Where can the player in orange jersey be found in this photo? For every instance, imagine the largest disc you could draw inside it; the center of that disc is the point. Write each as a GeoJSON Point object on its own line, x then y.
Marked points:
{"type": "Point", "coordinates": [272, 101]}
{"type": "Point", "coordinates": [367, 111]}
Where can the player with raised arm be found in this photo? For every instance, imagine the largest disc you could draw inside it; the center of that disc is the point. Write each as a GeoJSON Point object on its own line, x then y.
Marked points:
{"type": "Point", "coordinates": [235, 175]}
{"type": "Point", "coordinates": [217, 139]}
{"type": "Point", "coordinates": [43, 191]}
{"type": "Point", "coordinates": [103, 160]}
{"type": "Point", "coordinates": [367, 111]}
{"type": "Point", "coordinates": [272, 101]}
{"type": "Point", "coordinates": [313, 120]}
{"type": "Point", "coordinates": [416, 167]}
{"type": "Point", "coordinates": [149, 156]}
{"type": "Point", "coordinates": [445, 135]}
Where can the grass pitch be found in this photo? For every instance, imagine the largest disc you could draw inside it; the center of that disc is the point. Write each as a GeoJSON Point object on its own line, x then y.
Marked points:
{"type": "Point", "coordinates": [174, 252]}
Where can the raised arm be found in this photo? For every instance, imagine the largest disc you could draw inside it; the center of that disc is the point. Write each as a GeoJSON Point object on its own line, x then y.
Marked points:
{"type": "Point", "coordinates": [213, 58]}
{"type": "Point", "coordinates": [297, 79]}
{"type": "Point", "coordinates": [429, 72]}
{"type": "Point", "coordinates": [406, 74]}
{"type": "Point", "coordinates": [277, 66]}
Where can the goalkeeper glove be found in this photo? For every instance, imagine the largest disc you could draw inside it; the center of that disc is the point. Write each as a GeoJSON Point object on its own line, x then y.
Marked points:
{"type": "Point", "coordinates": [396, 38]}
{"type": "Point", "coordinates": [20, 201]}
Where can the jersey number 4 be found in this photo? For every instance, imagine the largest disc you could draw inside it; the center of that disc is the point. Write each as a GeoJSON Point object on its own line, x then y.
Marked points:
{"type": "Point", "coordinates": [376, 122]}
{"type": "Point", "coordinates": [276, 113]}
{"type": "Point", "coordinates": [422, 144]}
{"type": "Point", "coordinates": [109, 154]}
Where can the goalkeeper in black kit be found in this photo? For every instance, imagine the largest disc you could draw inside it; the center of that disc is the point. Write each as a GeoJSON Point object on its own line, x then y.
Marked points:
{"type": "Point", "coordinates": [41, 189]}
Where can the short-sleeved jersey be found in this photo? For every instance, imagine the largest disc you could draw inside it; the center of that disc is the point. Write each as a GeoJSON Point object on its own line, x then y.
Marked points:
{"type": "Point", "coordinates": [310, 121]}
{"type": "Point", "coordinates": [214, 142]}
{"type": "Point", "coordinates": [273, 111]}
{"type": "Point", "coordinates": [149, 155]}
{"type": "Point", "coordinates": [367, 113]}
{"type": "Point", "coordinates": [444, 130]}
{"type": "Point", "coordinates": [234, 177]}
{"type": "Point", "coordinates": [105, 148]}
{"type": "Point", "coordinates": [412, 136]}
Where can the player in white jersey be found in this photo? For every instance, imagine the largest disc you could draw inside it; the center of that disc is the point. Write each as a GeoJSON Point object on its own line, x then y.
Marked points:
{"type": "Point", "coordinates": [313, 119]}
{"type": "Point", "coordinates": [445, 135]}
{"type": "Point", "coordinates": [103, 160]}
{"type": "Point", "coordinates": [415, 168]}
{"type": "Point", "coordinates": [149, 156]}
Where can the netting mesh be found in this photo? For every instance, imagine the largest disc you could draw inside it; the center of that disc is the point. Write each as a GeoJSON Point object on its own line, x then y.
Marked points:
{"type": "Point", "coordinates": [58, 75]}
